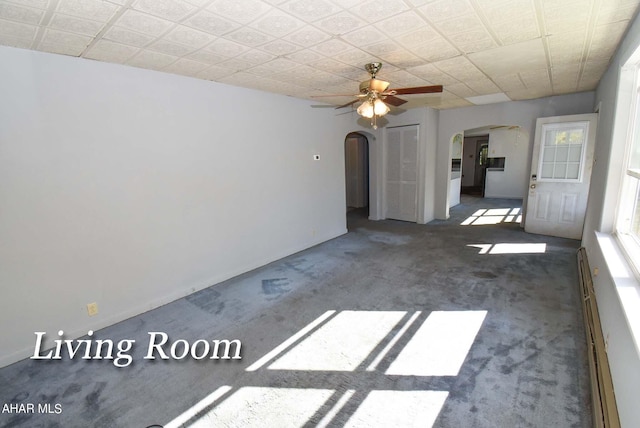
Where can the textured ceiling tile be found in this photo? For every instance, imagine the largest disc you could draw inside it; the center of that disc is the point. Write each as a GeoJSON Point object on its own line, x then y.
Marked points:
{"type": "Point", "coordinates": [609, 34]}
{"type": "Point", "coordinates": [90, 9]}
{"type": "Point", "coordinates": [236, 64]}
{"type": "Point", "coordinates": [491, 3]}
{"type": "Point", "coordinates": [278, 65]}
{"type": "Point", "coordinates": [15, 41]}
{"type": "Point", "coordinates": [383, 47]}
{"type": "Point", "coordinates": [567, 73]}
{"type": "Point", "coordinates": [76, 25]}
{"type": "Point", "coordinates": [460, 68]}
{"type": "Point", "coordinates": [566, 18]}
{"type": "Point", "coordinates": [608, 14]}
{"type": "Point", "coordinates": [536, 79]}
{"type": "Point", "coordinates": [375, 10]}
{"type": "Point", "coordinates": [509, 82]}
{"type": "Point", "coordinates": [513, 10]}
{"type": "Point", "coordinates": [473, 41]}
{"type": "Point", "coordinates": [528, 94]}
{"type": "Point", "coordinates": [511, 59]}
{"type": "Point", "coordinates": [460, 24]}
{"type": "Point", "coordinates": [364, 36]}
{"type": "Point", "coordinates": [595, 67]}
{"type": "Point", "coordinates": [249, 37]}
{"type": "Point", "coordinates": [402, 78]}
{"type": "Point", "coordinates": [417, 37]}
{"type": "Point", "coordinates": [211, 23]}
{"type": "Point", "coordinates": [190, 37]}
{"type": "Point", "coordinates": [105, 50]}
{"type": "Point", "coordinates": [340, 23]}
{"type": "Point", "coordinates": [55, 37]}
{"type": "Point", "coordinates": [152, 60]}
{"type": "Point", "coordinates": [307, 36]}
{"type": "Point", "coordinates": [226, 48]}
{"type": "Point", "coordinates": [430, 73]}
{"type": "Point", "coordinates": [277, 23]}
{"type": "Point", "coordinates": [483, 86]}
{"type": "Point", "coordinates": [280, 47]}
{"type": "Point", "coordinates": [17, 13]}
{"type": "Point", "coordinates": [322, 79]}
{"type": "Point", "coordinates": [349, 4]}
{"type": "Point", "coordinates": [446, 9]}
{"type": "Point", "coordinates": [566, 47]}
{"type": "Point", "coordinates": [304, 56]}
{"type": "Point", "coordinates": [310, 10]}
{"type": "Point", "coordinates": [331, 47]}
{"type": "Point", "coordinates": [143, 23]}
{"type": "Point", "coordinates": [60, 49]}
{"type": "Point", "coordinates": [172, 10]}
{"type": "Point", "coordinates": [461, 90]}
{"type": "Point", "coordinates": [516, 31]}
{"type": "Point", "coordinates": [214, 72]}
{"type": "Point", "coordinates": [17, 30]}
{"type": "Point", "coordinates": [355, 57]}
{"type": "Point", "coordinates": [241, 11]}
{"type": "Point", "coordinates": [206, 57]}
{"type": "Point", "coordinates": [401, 58]}
{"type": "Point", "coordinates": [401, 24]}
{"type": "Point", "coordinates": [341, 69]}
{"type": "Point", "coordinates": [299, 75]}
{"type": "Point", "coordinates": [128, 37]}
{"type": "Point", "coordinates": [170, 48]}
{"type": "Point", "coordinates": [186, 67]}
{"type": "Point", "coordinates": [39, 4]}
{"type": "Point", "coordinates": [418, 3]}
{"type": "Point", "coordinates": [255, 56]}
{"type": "Point", "coordinates": [435, 50]}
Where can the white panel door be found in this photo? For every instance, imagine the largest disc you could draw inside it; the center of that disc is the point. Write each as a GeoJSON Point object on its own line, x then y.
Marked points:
{"type": "Point", "coordinates": [560, 175]}
{"type": "Point", "coordinates": [402, 173]}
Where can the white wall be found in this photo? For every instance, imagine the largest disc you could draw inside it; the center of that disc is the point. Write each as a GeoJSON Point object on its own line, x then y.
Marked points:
{"type": "Point", "coordinates": [131, 188]}
{"type": "Point", "coordinates": [624, 356]}
{"type": "Point", "coordinates": [520, 113]}
{"type": "Point", "coordinates": [513, 181]}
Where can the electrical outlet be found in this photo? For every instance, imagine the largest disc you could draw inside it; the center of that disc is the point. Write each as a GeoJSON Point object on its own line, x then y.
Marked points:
{"type": "Point", "coordinates": [92, 309]}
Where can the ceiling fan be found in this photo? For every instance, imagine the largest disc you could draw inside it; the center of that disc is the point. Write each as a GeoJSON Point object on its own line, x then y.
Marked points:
{"type": "Point", "coordinates": [375, 95]}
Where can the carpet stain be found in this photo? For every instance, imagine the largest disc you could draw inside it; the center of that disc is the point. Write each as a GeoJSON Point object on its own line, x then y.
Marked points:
{"type": "Point", "coordinates": [92, 400]}
{"type": "Point", "coordinates": [20, 397]}
{"type": "Point", "coordinates": [72, 389]}
{"type": "Point", "coordinates": [276, 286]}
{"type": "Point", "coordinates": [208, 300]}
{"type": "Point", "coordinates": [484, 275]}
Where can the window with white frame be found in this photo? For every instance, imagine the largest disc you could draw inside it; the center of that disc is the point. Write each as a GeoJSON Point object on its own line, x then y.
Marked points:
{"type": "Point", "coordinates": [628, 224]}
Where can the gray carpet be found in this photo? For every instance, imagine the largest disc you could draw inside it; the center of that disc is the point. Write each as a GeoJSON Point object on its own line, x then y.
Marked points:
{"type": "Point", "coordinates": [408, 325]}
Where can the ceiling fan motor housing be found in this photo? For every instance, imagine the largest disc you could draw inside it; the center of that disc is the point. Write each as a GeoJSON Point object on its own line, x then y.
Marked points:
{"type": "Point", "coordinates": [373, 85]}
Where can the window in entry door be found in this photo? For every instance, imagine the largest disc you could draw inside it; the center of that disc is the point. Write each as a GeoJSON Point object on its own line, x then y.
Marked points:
{"type": "Point", "coordinates": [562, 152]}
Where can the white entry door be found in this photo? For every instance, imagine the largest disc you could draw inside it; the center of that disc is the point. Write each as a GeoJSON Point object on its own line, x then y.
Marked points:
{"type": "Point", "coordinates": [402, 173]}
{"type": "Point", "coordinates": [560, 175]}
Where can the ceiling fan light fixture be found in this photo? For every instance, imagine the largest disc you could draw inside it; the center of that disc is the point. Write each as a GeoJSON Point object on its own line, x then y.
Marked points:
{"type": "Point", "coordinates": [380, 108]}
{"type": "Point", "coordinates": [366, 109]}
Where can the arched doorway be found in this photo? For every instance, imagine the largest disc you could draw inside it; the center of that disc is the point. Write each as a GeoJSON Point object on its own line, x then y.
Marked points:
{"type": "Point", "coordinates": [356, 155]}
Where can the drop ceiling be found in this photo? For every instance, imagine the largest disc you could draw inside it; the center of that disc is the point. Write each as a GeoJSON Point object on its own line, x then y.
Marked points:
{"type": "Point", "coordinates": [504, 49]}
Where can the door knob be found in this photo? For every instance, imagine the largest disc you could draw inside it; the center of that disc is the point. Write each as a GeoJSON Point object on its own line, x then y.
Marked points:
{"type": "Point", "coordinates": [533, 186]}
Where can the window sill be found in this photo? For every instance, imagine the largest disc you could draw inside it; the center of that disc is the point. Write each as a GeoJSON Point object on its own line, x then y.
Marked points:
{"type": "Point", "coordinates": [625, 283]}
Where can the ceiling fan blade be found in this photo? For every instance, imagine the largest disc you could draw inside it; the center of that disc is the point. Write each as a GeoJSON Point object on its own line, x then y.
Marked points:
{"type": "Point", "coordinates": [347, 104]}
{"type": "Point", "coordinates": [394, 101]}
{"type": "Point", "coordinates": [419, 90]}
